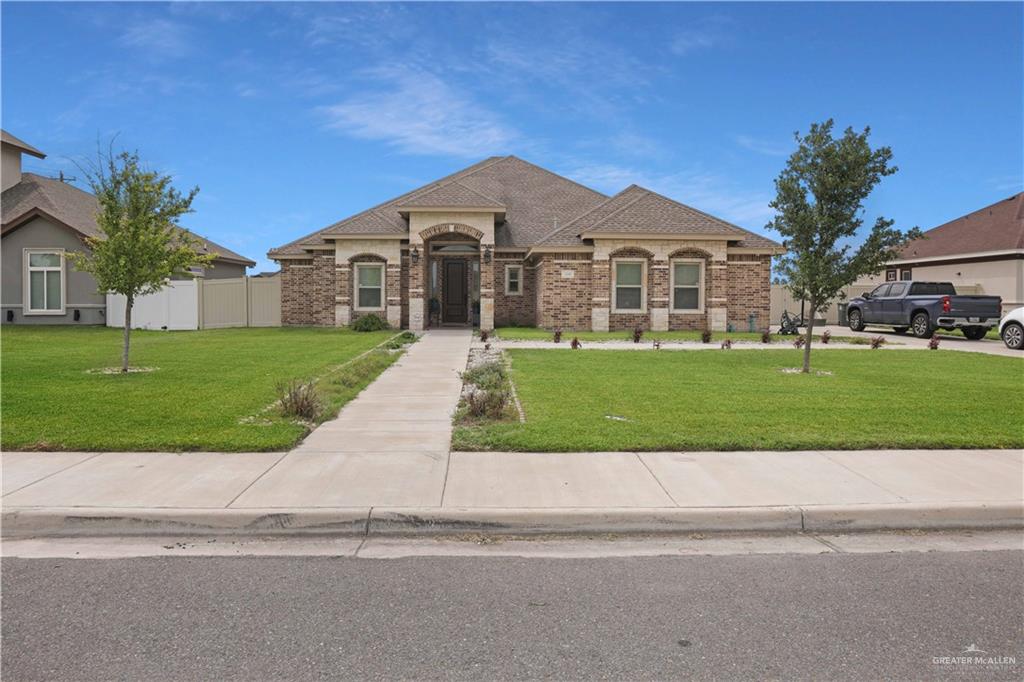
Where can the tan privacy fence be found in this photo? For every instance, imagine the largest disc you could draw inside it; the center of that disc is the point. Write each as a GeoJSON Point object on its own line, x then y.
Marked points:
{"type": "Point", "coordinates": [204, 304]}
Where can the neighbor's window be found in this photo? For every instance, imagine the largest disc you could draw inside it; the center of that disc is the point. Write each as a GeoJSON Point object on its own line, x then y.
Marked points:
{"type": "Point", "coordinates": [906, 275]}
{"type": "Point", "coordinates": [890, 275]}
{"type": "Point", "coordinates": [45, 282]}
{"type": "Point", "coordinates": [629, 285]}
{"type": "Point", "coordinates": [687, 285]}
{"type": "Point", "coordinates": [369, 286]}
{"type": "Point", "coordinates": [513, 280]}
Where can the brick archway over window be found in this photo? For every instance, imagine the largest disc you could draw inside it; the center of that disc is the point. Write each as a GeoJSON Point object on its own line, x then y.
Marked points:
{"type": "Point", "coordinates": [450, 228]}
{"type": "Point", "coordinates": [690, 252]}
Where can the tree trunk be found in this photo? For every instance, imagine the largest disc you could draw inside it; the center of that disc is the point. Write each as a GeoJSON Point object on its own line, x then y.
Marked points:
{"type": "Point", "coordinates": [127, 335]}
{"type": "Point", "coordinates": [808, 337]}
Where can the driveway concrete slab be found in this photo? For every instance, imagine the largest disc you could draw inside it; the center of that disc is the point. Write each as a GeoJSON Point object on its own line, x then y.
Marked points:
{"type": "Point", "coordinates": [148, 479]}
{"type": "Point", "coordinates": [934, 475]}
{"type": "Point", "coordinates": [352, 479]}
{"type": "Point", "coordinates": [729, 479]}
{"type": "Point", "coordinates": [540, 479]}
{"type": "Point", "coordinates": [23, 468]}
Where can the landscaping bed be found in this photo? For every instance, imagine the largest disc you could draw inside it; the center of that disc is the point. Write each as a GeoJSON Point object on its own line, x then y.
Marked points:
{"type": "Point", "coordinates": [514, 334]}
{"type": "Point", "coordinates": [606, 400]}
{"type": "Point", "coordinates": [213, 390]}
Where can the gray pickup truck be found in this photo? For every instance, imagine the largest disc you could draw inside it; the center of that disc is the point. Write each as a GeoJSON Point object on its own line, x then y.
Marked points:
{"type": "Point", "coordinates": [924, 307]}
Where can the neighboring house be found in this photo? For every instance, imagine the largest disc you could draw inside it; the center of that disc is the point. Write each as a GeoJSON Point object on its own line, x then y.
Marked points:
{"type": "Point", "coordinates": [505, 242]}
{"type": "Point", "coordinates": [42, 220]}
{"type": "Point", "coordinates": [981, 252]}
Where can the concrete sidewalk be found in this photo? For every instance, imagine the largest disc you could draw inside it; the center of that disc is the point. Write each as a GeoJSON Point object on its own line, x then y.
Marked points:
{"type": "Point", "coordinates": [369, 492]}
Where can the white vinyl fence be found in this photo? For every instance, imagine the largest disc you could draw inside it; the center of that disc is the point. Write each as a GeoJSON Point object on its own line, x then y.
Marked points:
{"type": "Point", "coordinates": [204, 304]}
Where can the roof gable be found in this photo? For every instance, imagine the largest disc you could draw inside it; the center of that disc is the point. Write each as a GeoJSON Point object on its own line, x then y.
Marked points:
{"type": "Point", "coordinates": [998, 227]}
{"type": "Point", "coordinates": [17, 143]}
{"type": "Point", "coordinates": [75, 209]}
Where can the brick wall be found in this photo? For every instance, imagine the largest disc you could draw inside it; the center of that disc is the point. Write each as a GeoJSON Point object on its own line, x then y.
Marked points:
{"type": "Point", "coordinates": [630, 321]}
{"type": "Point", "coordinates": [518, 310]}
{"type": "Point", "coordinates": [749, 290]}
{"type": "Point", "coordinates": [563, 301]}
{"type": "Point", "coordinates": [348, 285]}
{"type": "Point", "coordinates": [308, 291]}
{"type": "Point", "coordinates": [694, 321]}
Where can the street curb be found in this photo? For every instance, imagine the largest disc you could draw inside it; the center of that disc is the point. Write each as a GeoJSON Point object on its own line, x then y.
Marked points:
{"type": "Point", "coordinates": [367, 521]}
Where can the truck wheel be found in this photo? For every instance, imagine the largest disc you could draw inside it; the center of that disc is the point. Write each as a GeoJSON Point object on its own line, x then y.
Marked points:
{"type": "Point", "coordinates": [922, 326]}
{"type": "Point", "coordinates": [856, 320]}
{"type": "Point", "coordinates": [1013, 335]}
{"type": "Point", "coordinates": [974, 333]}
{"type": "Point", "coordinates": [900, 330]}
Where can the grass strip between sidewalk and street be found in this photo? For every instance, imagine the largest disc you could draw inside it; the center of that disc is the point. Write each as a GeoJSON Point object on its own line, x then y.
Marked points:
{"type": "Point", "coordinates": [607, 400]}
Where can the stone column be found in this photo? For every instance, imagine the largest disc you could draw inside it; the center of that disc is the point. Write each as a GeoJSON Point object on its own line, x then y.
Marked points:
{"type": "Point", "coordinates": [417, 282]}
{"type": "Point", "coordinates": [342, 293]}
{"type": "Point", "coordinates": [486, 287]}
{"type": "Point", "coordinates": [660, 293]}
{"type": "Point", "coordinates": [718, 311]}
{"type": "Point", "coordinates": [393, 287]}
{"type": "Point", "coordinates": [601, 292]}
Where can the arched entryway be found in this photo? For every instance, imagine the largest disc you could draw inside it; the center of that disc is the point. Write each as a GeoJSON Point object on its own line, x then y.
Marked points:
{"type": "Point", "coordinates": [452, 279]}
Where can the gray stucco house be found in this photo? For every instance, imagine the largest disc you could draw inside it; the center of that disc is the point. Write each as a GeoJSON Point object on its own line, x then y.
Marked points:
{"type": "Point", "coordinates": [42, 220]}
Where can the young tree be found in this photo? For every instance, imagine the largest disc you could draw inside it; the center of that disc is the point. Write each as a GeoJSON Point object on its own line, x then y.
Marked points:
{"type": "Point", "coordinates": [819, 207]}
{"type": "Point", "coordinates": [140, 245]}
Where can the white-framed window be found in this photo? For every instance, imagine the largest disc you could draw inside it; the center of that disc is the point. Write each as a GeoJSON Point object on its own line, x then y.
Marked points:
{"type": "Point", "coordinates": [369, 278]}
{"type": "Point", "coordinates": [513, 280]}
{"type": "Point", "coordinates": [687, 283]}
{"type": "Point", "coordinates": [629, 285]}
{"type": "Point", "coordinates": [44, 286]}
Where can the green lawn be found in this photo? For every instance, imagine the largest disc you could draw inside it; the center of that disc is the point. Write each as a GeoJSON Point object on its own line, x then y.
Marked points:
{"type": "Point", "coordinates": [536, 334]}
{"type": "Point", "coordinates": [208, 392]}
{"type": "Point", "coordinates": [725, 400]}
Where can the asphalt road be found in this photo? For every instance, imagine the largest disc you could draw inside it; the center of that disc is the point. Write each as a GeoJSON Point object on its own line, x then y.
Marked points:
{"type": "Point", "coordinates": [839, 616]}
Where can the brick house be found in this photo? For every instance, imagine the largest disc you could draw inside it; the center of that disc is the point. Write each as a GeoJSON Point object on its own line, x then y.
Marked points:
{"type": "Point", "coordinates": [505, 242]}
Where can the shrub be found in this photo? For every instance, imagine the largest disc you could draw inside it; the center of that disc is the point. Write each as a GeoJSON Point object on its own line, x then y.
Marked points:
{"type": "Point", "coordinates": [576, 345]}
{"type": "Point", "coordinates": [488, 376]}
{"type": "Point", "coordinates": [484, 335]}
{"type": "Point", "coordinates": [766, 337]}
{"type": "Point", "coordinates": [558, 336]}
{"type": "Point", "coordinates": [826, 336]}
{"type": "Point", "coordinates": [370, 323]}
{"type": "Point", "coordinates": [933, 343]}
{"type": "Point", "coordinates": [798, 342]}
{"type": "Point", "coordinates": [705, 336]}
{"type": "Point", "coordinates": [638, 334]}
{"type": "Point", "coordinates": [490, 403]}
{"type": "Point", "coordinates": [300, 399]}
{"type": "Point", "coordinates": [877, 341]}
{"type": "Point", "coordinates": [727, 344]}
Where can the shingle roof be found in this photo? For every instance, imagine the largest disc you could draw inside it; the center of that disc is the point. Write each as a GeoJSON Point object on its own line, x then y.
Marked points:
{"type": "Point", "coordinates": [453, 194]}
{"type": "Point", "coordinates": [999, 227]}
{"type": "Point", "coordinates": [541, 207]}
{"type": "Point", "coordinates": [7, 138]}
{"type": "Point", "coordinates": [637, 210]}
{"type": "Point", "coordinates": [75, 208]}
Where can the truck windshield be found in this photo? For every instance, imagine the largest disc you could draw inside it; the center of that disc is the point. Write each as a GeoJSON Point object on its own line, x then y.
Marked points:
{"type": "Point", "coordinates": [932, 289]}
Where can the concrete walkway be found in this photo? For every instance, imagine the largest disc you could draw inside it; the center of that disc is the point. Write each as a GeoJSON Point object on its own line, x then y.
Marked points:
{"type": "Point", "coordinates": [361, 491]}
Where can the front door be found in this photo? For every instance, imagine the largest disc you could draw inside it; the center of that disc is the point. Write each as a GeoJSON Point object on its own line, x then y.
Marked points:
{"type": "Point", "coordinates": [455, 294]}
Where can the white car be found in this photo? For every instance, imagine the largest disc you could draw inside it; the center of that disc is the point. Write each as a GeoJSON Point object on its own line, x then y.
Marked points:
{"type": "Point", "coordinates": [1011, 329]}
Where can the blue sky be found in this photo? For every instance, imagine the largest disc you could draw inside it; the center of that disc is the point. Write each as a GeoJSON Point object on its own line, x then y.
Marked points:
{"type": "Point", "coordinates": [292, 116]}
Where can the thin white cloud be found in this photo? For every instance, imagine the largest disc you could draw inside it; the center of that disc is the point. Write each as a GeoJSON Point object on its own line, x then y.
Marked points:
{"type": "Point", "coordinates": [158, 38]}
{"type": "Point", "coordinates": [703, 35]}
{"type": "Point", "coordinates": [418, 113]}
{"type": "Point", "coordinates": [703, 190]}
{"type": "Point", "coordinates": [761, 146]}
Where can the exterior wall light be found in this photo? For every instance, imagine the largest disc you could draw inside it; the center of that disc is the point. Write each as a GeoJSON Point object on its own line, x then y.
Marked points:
{"type": "Point", "coordinates": [487, 254]}
{"type": "Point", "coordinates": [414, 255]}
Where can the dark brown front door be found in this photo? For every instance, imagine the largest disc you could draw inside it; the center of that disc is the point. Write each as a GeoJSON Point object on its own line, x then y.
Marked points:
{"type": "Point", "coordinates": [455, 296]}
